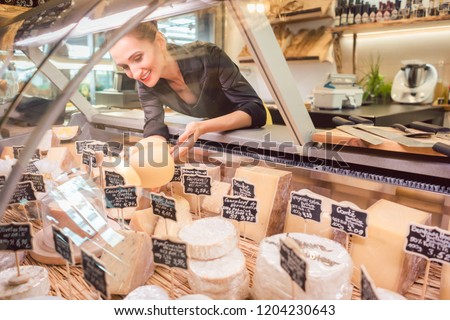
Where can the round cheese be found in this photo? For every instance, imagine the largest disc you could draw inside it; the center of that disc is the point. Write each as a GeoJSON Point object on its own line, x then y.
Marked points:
{"type": "Point", "coordinates": [329, 270]}
{"type": "Point", "coordinates": [384, 294]}
{"type": "Point", "coordinates": [209, 238]}
{"type": "Point", "coordinates": [37, 285]}
{"type": "Point", "coordinates": [194, 297]}
{"type": "Point", "coordinates": [149, 292]}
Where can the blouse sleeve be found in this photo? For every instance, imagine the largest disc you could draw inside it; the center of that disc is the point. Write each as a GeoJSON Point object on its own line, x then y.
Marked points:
{"type": "Point", "coordinates": [153, 112]}
{"type": "Point", "coordinates": [237, 89]}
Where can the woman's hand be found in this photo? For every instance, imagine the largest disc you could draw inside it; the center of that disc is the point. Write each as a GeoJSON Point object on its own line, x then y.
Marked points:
{"type": "Point", "coordinates": [187, 140]}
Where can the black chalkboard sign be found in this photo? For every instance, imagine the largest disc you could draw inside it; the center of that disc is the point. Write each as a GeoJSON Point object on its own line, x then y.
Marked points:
{"type": "Point", "coordinates": [349, 220]}
{"type": "Point", "coordinates": [293, 264]}
{"type": "Point", "coordinates": [36, 179]}
{"type": "Point", "coordinates": [170, 254]}
{"type": "Point", "coordinates": [113, 179]}
{"type": "Point", "coordinates": [120, 197]}
{"type": "Point", "coordinates": [98, 146]}
{"type": "Point", "coordinates": [81, 145]}
{"type": "Point", "coordinates": [243, 189]}
{"type": "Point", "coordinates": [305, 206]}
{"type": "Point", "coordinates": [163, 206]}
{"type": "Point", "coordinates": [194, 171]}
{"type": "Point", "coordinates": [199, 185]}
{"type": "Point", "coordinates": [88, 158]}
{"type": "Point", "coordinates": [24, 192]}
{"type": "Point", "coordinates": [63, 245]}
{"type": "Point", "coordinates": [368, 289]}
{"type": "Point", "coordinates": [16, 237]}
{"type": "Point", "coordinates": [177, 174]}
{"type": "Point", "coordinates": [31, 168]}
{"type": "Point", "coordinates": [429, 242]}
{"type": "Point", "coordinates": [2, 181]}
{"type": "Point", "coordinates": [239, 209]}
{"type": "Point", "coordinates": [17, 150]}
{"type": "Point", "coordinates": [94, 273]}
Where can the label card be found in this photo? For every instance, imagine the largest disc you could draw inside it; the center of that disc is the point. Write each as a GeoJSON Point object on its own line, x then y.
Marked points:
{"type": "Point", "coordinates": [98, 146]}
{"type": "Point", "coordinates": [113, 179]}
{"type": "Point", "coordinates": [368, 289]}
{"type": "Point", "coordinates": [304, 206]}
{"type": "Point", "coordinates": [63, 245]}
{"type": "Point", "coordinates": [349, 220]}
{"type": "Point", "coordinates": [293, 264]}
{"type": "Point", "coordinates": [195, 184]}
{"type": "Point", "coordinates": [177, 174]}
{"type": "Point", "coordinates": [17, 150]}
{"type": "Point", "coordinates": [81, 145]}
{"type": "Point", "coordinates": [88, 158]}
{"type": "Point", "coordinates": [36, 179]}
{"type": "Point", "coordinates": [241, 188]}
{"type": "Point", "coordinates": [31, 168]}
{"type": "Point", "coordinates": [170, 254]}
{"type": "Point", "coordinates": [163, 206]}
{"type": "Point", "coordinates": [24, 191]}
{"type": "Point", "coordinates": [94, 273]}
{"type": "Point", "coordinates": [194, 171]}
{"type": "Point", "coordinates": [120, 197]}
{"type": "Point", "coordinates": [239, 209]}
{"type": "Point", "coordinates": [429, 242]}
{"type": "Point", "coordinates": [16, 236]}
{"type": "Point", "coordinates": [2, 181]}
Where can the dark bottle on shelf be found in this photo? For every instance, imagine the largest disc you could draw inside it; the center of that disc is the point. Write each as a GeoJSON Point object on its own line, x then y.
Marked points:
{"type": "Point", "coordinates": [358, 12]}
{"type": "Point", "coordinates": [337, 14]}
{"type": "Point", "coordinates": [351, 13]}
{"type": "Point", "coordinates": [395, 14]}
{"type": "Point", "coordinates": [366, 13]}
{"type": "Point", "coordinates": [373, 13]}
{"type": "Point", "coordinates": [344, 13]}
{"type": "Point", "coordinates": [387, 11]}
{"type": "Point", "coordinates": [380, 13]}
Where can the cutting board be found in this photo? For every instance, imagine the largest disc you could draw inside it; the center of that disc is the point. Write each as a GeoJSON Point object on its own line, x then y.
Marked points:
{"type": "Point", "coordinates": [338, 137]}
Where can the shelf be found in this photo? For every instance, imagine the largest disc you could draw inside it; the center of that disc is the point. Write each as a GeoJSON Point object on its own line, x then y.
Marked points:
{"type": "Point", "coordinates": [394, 24]}
{"type": "Point", "coordinates": [301, 16]}
{"type": "Point", "coordinates": [312, 58]}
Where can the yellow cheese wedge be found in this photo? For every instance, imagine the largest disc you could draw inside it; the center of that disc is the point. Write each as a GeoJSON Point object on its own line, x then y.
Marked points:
{"type": "Point", "coordinates": [382, 252]}
{"type": "Point", "coordinates": [64, 133]}
{"type": "Point", "coordinates": [144, 220]}
{"type": "Point", "coordinates": [61, 156]}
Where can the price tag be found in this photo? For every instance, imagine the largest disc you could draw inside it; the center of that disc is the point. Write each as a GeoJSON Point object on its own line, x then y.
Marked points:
{"type": "Point", "coordinates": [24, 191]}
{"type": "Point", "coordinates": [120, 197]}
{"type": "Point", "coordinates": [81, 145]}
{"type": "Point", "coordinates": [170, 254]}
{"type": "Point", "coordinates": [199, 185]}
{"type": "Point", "coordinates": [194, 171]}
{"type": "Point", "coordinates": [31, 168]}
{"type": "Point", "coordinates": [243, 189]}
{"type": "Point", "coordinates": [164, 206]}
{"type": "Point", "coordinates": [292, 263]}
{"type": "Point", "coordinates": [113, 179]}
{"type": "Point", "coordinates": [98, 146]}
{"type": "Point", "coordinates": [429, 242]}
{"type": "Point", "coordinates": [36, 179]}
{"type": "Point", "coordinates": [16, 237]}
{"type": "Point", "coordinates": [306, 207]}
{"type": "Point", "coordinates": [2, 181]}
{"type": "Point", "coordinates": [177, 174]}
{"type": "Point", "coordinates": [88, 158]}
{"type": "Point", "coordinates": [17, 150]}
{"type": "Point", "coordinates": [368, 289]}
{"type": "Point", "coordinates": [63, 245]}
{"type": "Point", "coordinates": [239, 209]}
{"type": "Point", "coordinates": [349, 220]}
{"type": "Point", "coordinates": [94, 273]}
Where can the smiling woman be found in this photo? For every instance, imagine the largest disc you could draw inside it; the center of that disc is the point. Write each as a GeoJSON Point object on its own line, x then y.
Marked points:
{"type": "Point", "coordinates": [196, 79]}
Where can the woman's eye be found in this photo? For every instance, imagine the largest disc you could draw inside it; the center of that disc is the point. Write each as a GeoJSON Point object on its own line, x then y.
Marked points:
{"type": "Point", "coordinates": [138, 58]}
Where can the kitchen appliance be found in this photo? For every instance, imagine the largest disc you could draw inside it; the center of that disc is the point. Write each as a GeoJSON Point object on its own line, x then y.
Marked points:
{"type": "Point", "coordinates": [339, 91]}
{"type": "Point", "coordinates": [414, 83]}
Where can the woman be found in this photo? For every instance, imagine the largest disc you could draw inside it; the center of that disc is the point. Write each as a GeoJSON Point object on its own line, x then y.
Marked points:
{"type": "Point", "coordinates": [197, 79]}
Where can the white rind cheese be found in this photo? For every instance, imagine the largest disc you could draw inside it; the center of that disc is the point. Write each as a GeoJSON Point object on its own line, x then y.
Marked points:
{"type": "Point", "coordinates": [328, 273]}
{"type": "Point", "coordinates": [384, 294]}
{"type": "Point", "coordinates": [194, 297]}
{"type": "Point", "coordinates": [38, 284]}
{"type": "Point", "coordinates": [149, 292]}
{"type": "Point", "coordinates": [209, 238]}
{"type": "Point", "coordinates": [130, 263]}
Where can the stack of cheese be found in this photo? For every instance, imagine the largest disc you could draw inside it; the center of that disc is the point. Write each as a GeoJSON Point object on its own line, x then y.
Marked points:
{"type": "Point", "coordinates": [129, 264]}
{"type": "Point", "coordinates": [216, 266]}
{"type": "Point", "coordinates": [272, 189]}
{"type": "Point", "coordinates": [329, 269]}
{"type": "Point", "coordinates": [38, 283]}
{"type": "Point", "coordinates": [388, 226]}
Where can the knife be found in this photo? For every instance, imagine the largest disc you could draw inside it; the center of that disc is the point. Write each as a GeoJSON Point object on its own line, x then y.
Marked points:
{"type": "Point", "coordinates": [410, 133]}
{"type": "Point", "coordinates": [442, 148]}
{"type": "Point", "coordinates": [347, 127]}
{"type": "Point", "coordinates": [438, 131]}
{"type": "Point", "coordinates": [397, 137]}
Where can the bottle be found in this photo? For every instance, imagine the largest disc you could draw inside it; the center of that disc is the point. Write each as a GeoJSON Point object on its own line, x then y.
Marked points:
{"type": "Point", "coordinates": [344, 14]}
{"type": "Point", "coordinates": [439, 89]}
{"type": "Point", "coordinates": [395, 10]}
{"type": "Point", "coordinates": [366, 13]}
{"type": "Point", "coordinates": [379, 17]}
{"type": "Point", "coordinates": [373, 14]}
{"type": "Point", "coordinates": [351, 13]}
{"type": "Point", "coordinates": [358, 12]}
{"type": "Point", "coordinates": [338, 12]}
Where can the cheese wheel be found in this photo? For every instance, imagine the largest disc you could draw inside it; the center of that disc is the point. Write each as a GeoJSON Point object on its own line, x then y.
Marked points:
{"type": "Point", "coordinates": [328, 273]}
{"type": "Point", "coordinates": [150, 292]}
{"type": "Point", "coordinates": [8, 259]}
{"type": "Point", "coordinates": [152, 162]}
{"type": "Point", "coordinates": [37, 285]}
{"type": "Point", "coordinates": [209, 238]}
{"type": "Point", "coordinates": [384, 294]}
{"type": "Point", "coordinates": [238, 293]}
{"type": "Point", "coordinates": [194, 297]}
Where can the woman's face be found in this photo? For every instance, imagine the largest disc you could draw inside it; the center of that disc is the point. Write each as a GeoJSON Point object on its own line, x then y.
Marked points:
{"type": "Point", "coordinates": [141, 59]}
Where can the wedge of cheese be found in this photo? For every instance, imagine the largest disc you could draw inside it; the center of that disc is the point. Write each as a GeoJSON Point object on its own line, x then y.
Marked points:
{"type": "Point", "coordinates": [209, 238]}
{"type": "Point", "coordinates": [445, 280]}
{"type": "Point", "coordinates": [37, 285]}
{"type": "Point", "coordinates": [329, 270]}
{"type": "Point", "coordinates": [144, 221]}
{"type": "Point", "coordinates": [382, 252]}
{"type": "Point", "coordinates": [168, 228]}
{"type": "Point", "coordinates": [129, 263]}
{"type": "Point", "coordinates": [7, 153]}
{"type": "Point", "coordinates": [62, 157]}
{"type": "Point", "coordinates": [272, 189]}
{"type": "Point", "coordinates": [213, 203]}
{"type": "Point", "coordinates": [149, 292]}
{"type": "Point", "coordinates": [219, 278]}
{"type": "Point", "coordinates": [66, 133]}
{"type": "Point", "coordinates": [48, 140]}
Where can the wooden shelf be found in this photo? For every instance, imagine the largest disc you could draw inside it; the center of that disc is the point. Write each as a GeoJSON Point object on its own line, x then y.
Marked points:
{"type": "Point", "coordinates": [301, 16]}
{"type": "Point", "coordinates": [394, 24]}
{"type": "Point", "coordinates": [312, 58]}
